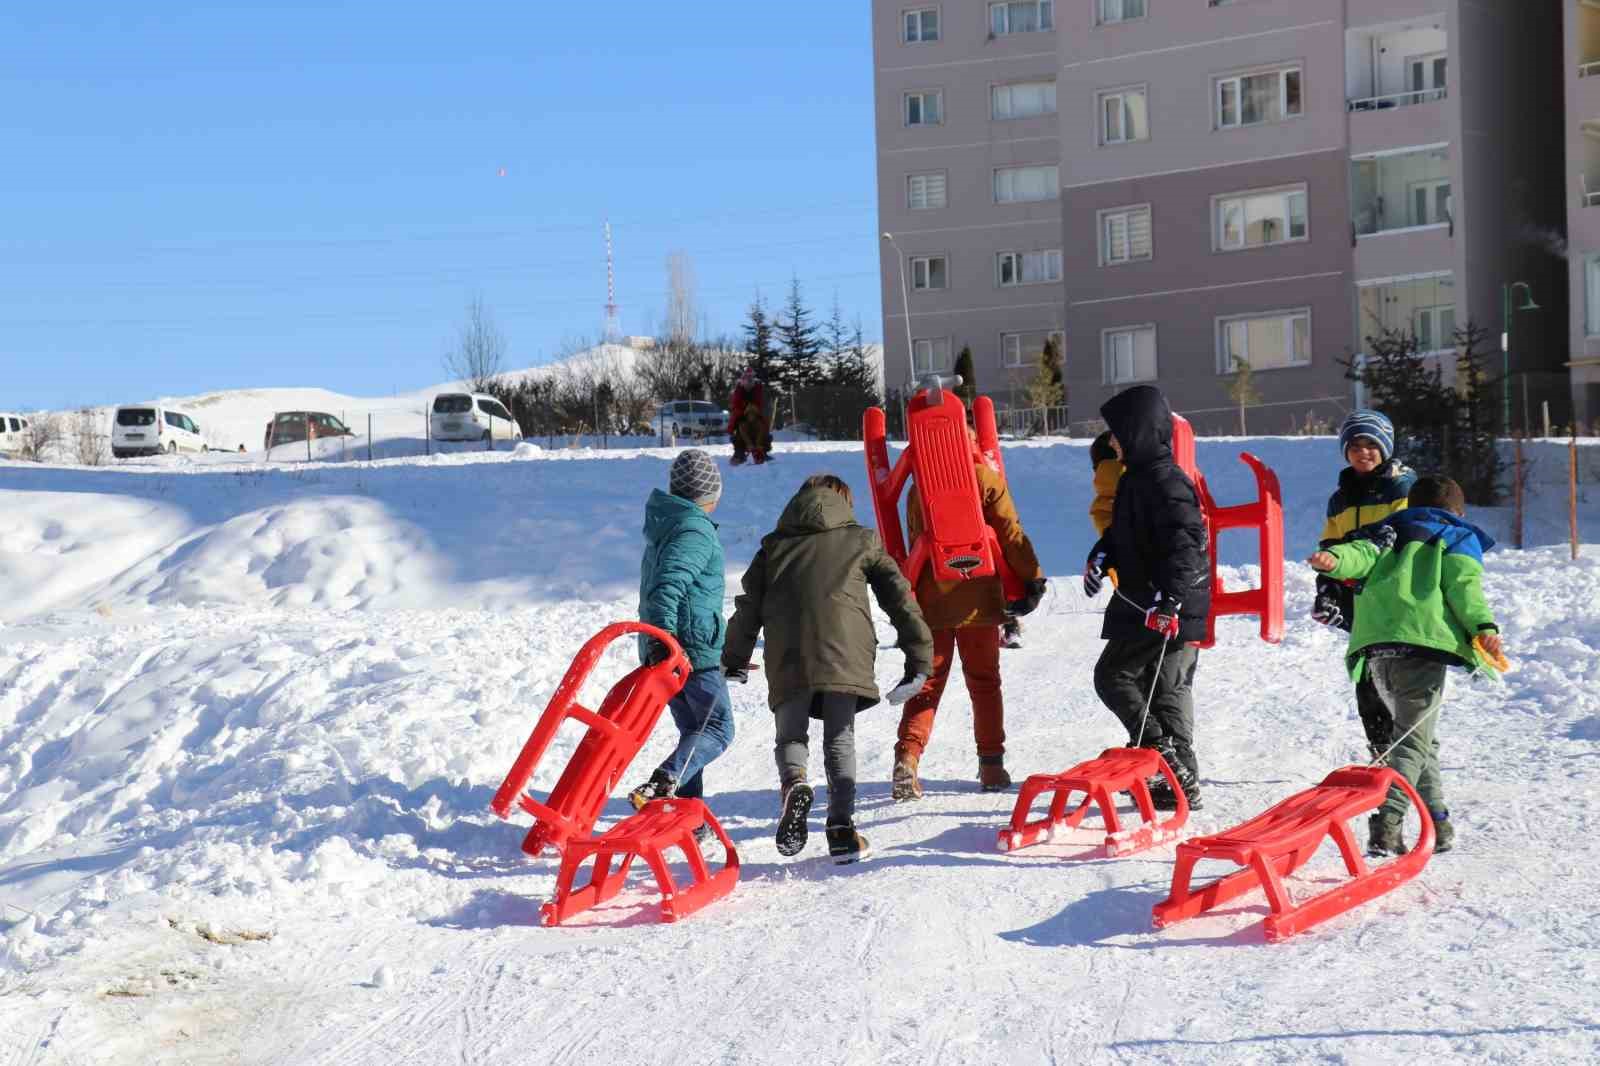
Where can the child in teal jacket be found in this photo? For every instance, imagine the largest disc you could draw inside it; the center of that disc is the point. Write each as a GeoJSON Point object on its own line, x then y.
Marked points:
{"type": "Point", "coordinates": [1420, 610]}
{"type": "Point", "coordinates": [681, 591]}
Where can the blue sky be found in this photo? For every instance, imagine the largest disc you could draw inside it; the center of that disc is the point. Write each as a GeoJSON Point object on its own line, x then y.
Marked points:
{"type": "Point", "coordinates": [220, 196]}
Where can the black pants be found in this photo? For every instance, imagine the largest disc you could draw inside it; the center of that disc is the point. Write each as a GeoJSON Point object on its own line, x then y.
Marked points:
{"type": "Point", "coordinates": [1123, 678]}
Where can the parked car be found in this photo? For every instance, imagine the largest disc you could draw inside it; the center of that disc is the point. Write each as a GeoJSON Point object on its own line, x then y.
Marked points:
{"type": "Point", "coordinates": [471, 416]}
{"type": "Point", "coordinates": [691, 418]}
{"type": "Point", "coordinates": [290, 427]}
{"type": "Point", "coordinates": [11, 430]}
{"type": "Point", "coordinates": [149, 429]}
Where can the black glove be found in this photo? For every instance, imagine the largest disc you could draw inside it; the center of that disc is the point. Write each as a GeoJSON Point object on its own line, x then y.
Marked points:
{"type": "Point", "coordinates": [1094, 572]}
{"type": "Point", "coordinates": [655, 652]}
{"type": "Point", "coordinates": [1327, 608]}
{"type": "Point", "coordinates": [1031, 596]}
{"type": "Point", "coordinates": [1383, 537]}
{"type": "Point", "coordinates": [739, 674]}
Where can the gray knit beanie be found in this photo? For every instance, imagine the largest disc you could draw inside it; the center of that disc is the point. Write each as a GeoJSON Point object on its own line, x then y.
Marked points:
{"type": "Point", "coordinates": [695, 477]}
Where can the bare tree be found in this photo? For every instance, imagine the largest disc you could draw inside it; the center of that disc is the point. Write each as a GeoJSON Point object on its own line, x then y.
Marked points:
{"type": "Point", "coordinates": [1242, 390]}
{"type": "Point", "coordinates": [681, 315]}
{"type": "Point", "coordinates": [479, 355]}
{"type": "Point", "coordinates": [41, 436]}
{"type": "Point", "coordinates": [89, 445]}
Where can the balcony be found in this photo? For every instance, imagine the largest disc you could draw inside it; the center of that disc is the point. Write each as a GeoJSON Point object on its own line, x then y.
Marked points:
{"type": "Point", "coordinates": [1589, 166]}
{"type": "Point", "coordinates": [1396, 82]}
{"type": "Point", "coordinates": [1398, 191]}
{"type": "Point", "coordinates": [1586, 27]}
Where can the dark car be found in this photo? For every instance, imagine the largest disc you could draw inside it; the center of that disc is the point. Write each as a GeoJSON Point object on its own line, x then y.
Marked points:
{"type": "Point", "coordinates": [288, 427]}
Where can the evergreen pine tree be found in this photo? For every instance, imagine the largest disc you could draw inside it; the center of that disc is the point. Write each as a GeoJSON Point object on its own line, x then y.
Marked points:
{"type": "Point", "coordinates": [968, 389]}
{"type": "Point", "coordinates": [802, 350]}
{"type": "Point", "coordinates": [758, 343]}
{"type": "Point", "coordinates": [1047, 388]}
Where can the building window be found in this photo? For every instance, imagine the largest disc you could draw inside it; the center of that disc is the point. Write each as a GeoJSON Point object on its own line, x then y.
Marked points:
{"type": "Point", "coordinates": [1124, 235]}
{"type": "Point", "coordinates": [1022, 100]}
{"type": "Point", "coordinates": [1028, 268]}
{"type": "Point", "coordinates": [1250, 99]}
{"type": "Point", "coordinates": [1118, 10]}
{"type": "Point", "coordinates": [1018, 350]}
{"type": "Point", "coordinates": [1592, 293]}
{"type": "Point", "coordinates": [928, 272]}
{"type": "Point", "coordinates": [1435, 328]}
{"type": "Point", "coordinates": [1398, 190]}
{"type": "Point", "coordinates": [1124, 116]}
{"type": "Point", "coordinates": [925, 191]}
{"type": "Point", "coordinates": [1021, 16]}
{"type": "Point", "coordinates": [1430, 202]}
{"type": "Point", "coordinates": [1014, 185]}
{"type": "Point", "coordinates": [925, 108]}
{"type": "Point", "coordinates": [1266, 342]}
{"type": "Point", "coordinates": [930, 356]}
{"type": "Point", "coordinates": [921, 25]}
{"type": "Point", "coordinates": [1253, 220]}
{"type": "Point", "coordinates": [1128, 355]}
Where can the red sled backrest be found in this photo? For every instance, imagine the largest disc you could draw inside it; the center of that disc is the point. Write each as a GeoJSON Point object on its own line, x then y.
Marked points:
{"type": "Point", "coordinates": [955, 540]}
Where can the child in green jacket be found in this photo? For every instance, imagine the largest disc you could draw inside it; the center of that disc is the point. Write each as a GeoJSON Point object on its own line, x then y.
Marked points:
{"type": "Point", "coordinates": [1420, 610]}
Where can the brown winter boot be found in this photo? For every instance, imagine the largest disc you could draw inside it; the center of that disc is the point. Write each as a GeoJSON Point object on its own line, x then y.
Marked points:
{"type": "Point", "coordinates": [904, 785]}
{"type": "Point", "coordinates": [992, 776]}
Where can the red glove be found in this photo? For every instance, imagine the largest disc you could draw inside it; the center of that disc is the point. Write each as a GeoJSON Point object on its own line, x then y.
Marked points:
{"type": "Point", "coordinates": [1163, 618]}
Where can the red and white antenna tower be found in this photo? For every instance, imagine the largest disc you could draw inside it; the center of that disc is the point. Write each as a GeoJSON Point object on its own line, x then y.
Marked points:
{"type": "Point", "coordinates": [612, 328]}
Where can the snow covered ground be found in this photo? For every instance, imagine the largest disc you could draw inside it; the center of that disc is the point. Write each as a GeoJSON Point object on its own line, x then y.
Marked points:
{"type": "Point", "coordinates": [251, 718]}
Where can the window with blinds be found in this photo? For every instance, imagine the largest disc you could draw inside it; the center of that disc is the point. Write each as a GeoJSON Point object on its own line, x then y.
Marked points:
{"type": "Point", "coordinates": [1028, 268]}
{"type": "Point", "coordinates": [1124, 235]}
{"type": "Point", "coordinates": [925, 191]}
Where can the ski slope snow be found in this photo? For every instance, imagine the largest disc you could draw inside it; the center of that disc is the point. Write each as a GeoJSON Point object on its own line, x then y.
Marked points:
{"type": "Point", "coordinates": [251, 718]}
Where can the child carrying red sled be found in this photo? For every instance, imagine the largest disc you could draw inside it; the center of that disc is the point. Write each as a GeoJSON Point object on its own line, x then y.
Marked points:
{"type": "Point", "coordinates": [810, 588]}
{"type": "Point", "coordinates": [1420, 610]}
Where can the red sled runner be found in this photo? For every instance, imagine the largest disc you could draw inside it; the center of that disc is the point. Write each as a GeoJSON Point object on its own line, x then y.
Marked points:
{"type": "Point", "coordinates": [565, 819]}
{"type": "Point", "coordinates": [1280, 841]}
{"type": "Point", "coordinates": [956, 542]}
{"type": "Point", "coordinates": [1264, 515]}
{"type": "Point", "coordinates": [1116, 770]}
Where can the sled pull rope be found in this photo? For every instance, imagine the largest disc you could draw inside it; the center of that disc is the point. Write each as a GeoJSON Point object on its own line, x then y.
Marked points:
{"type": "Point", "coordinates": [1161, 658]}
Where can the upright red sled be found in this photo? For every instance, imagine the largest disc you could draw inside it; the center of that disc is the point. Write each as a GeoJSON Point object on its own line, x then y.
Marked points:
{"type": "Point", "coordinates": [565, 819]}
{"type": "Point", "coordinates": [956, 542]}
{"type": "Point", "coordinates": [1100, 779]}
{"type": "Point", "coordinates": [1280, 841]}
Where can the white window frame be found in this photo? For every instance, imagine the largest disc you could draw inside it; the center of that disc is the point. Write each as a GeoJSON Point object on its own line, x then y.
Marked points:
{"type": "Point", "coordinates": [1591, 291]}
{"type": "Point", "coordinates": [1053, 183]}
{"type": "Point", "coordinates": [1105, 219]}
{"type": "Point", "coordinates": [924, 264]}
{"type": "Point", "coordinates": [1219, 118]}
{"type": "Point", "coordinates": [926, 178]}
{"type": "Point", "coordinates": [922, 95]}
{"type": "Point", "coordinates": [1121, 93]}
{"type": "Point", "coordinates": [907, 14]}
{"type": "Point", "coordinates": [1004, 89]}
{"type": "Point", "coordinates": [1433, 314]}
{"type": "Point", "coordinates": [1432, 185]}
{"type": "Point", "coordinates": [1224, 357]}
{"type": "Point", "coordinates": [1049, 258]}
{"type": "Point", "coordinates": [1108, 375]}
{"type": "Point", "coordinates": [1103, 9]}
{"type": "Point", "coordinates": [1044, 17]}
{"type": "Point", "coordinates": [1429, 61]}
{"type": "Point", "coordinates": [1219, 233]}
{"type": "Point", "coordinates": [1014, 339]}
{"type": "Point", "coordinates": [932, 343]}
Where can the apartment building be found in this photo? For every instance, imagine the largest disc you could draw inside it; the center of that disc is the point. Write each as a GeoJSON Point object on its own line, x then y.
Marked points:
{"type": "Point", "coordinates": [1582, 75]}
{"type": "Point", "coordinates": [1261, 181]}
{"type": "Point", "coordinates": [968, 186]}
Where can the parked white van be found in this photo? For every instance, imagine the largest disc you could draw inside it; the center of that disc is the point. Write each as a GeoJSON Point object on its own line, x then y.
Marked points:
{"type": "Point", "coordinates": [471, 416]}
{"type": "Point", "coordinates": [11, 430]}
{"type": "Point", "coordinates": [151, 430]}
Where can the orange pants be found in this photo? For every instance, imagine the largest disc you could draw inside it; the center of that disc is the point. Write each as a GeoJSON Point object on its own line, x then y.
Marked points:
{"type": "Point", "coordinates": [980, 663]}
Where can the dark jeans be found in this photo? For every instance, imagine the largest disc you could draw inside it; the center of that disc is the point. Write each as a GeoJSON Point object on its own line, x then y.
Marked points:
{"type": "Point", "coordinates": [1123, 677]}
{"type": "Point", "coordinates": [793, 722]}
{"type": "Point", "coordinates": [704, 715]}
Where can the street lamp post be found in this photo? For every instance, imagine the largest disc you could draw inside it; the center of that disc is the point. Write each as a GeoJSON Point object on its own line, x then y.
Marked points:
{"type": "Point", "coordinates": [905, 304]}
{"type": "Point", "coordinates": [1506, 293]}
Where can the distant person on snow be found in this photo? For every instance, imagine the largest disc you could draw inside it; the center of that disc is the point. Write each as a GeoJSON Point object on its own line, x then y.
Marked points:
{"type": "Point", "coordinates": [1157, 543]}
{"type": "Point", "coordinates": [681, 590]}
{"type": "Point", "coordinates": [748, 428]}
{"type": "Point", "coordinates": [1371, 488]}
{"type": "Point", "coordinates": [1420, 610]}
{"type": "Point", "coordinates": [808, 588]}
{"type": "Point", "coordinates": [966, 616]}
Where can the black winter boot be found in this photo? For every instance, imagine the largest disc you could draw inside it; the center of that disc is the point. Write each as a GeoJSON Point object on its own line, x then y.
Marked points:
{"type": "Point", "coordinates": [845, 845]}
{"type": "Point", "coordinates": [1161, 794]}
{"type": "Point", "coordinates": [1383, 836]}
{"type": "Point", "coordinates": [660, 786]}
{"type": "Point", "coordinates": [791, 835]}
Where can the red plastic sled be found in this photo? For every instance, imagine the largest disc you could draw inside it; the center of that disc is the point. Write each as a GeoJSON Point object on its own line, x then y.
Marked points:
{"type": "Point", "coordinates": [1264, 514]}
{"type": "Point", "coordinates": [1275, 844]}
{"type": "Point", "coordinates": [956, 542]}
{"type": "Point", "coordinates": [649, 834]}
{"type": "Point", "coordinates": [1100, 779]}
{"type": "Point", "coordinates": [616, 733]}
